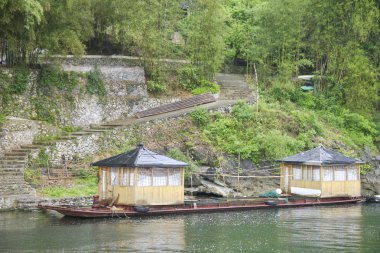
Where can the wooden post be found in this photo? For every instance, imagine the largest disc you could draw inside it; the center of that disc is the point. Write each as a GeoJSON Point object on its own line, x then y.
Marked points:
{"type": "Point", "coordinates": [257, 88]}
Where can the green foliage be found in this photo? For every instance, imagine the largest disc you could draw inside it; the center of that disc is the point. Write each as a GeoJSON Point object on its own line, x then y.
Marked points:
{"type": "Point", "coordinates": [32, 176]}
{"type": "Point", "coordinates": [242, 111]}
{"type": "Point", "coordinates": [177, 154]}
{"type": "Point", "coordinates": [20, 81]}
{"type": "Point", "coordinates": [206, 86]}
{"type": "Point", "coordinates": [84, 173]}
{"type": "Point", "coordinates": [52, 79]}
{"type": "Point", "coordinates": [366, 168]}
{"type": "Point", "coordinates": [200, 116]}
{"type": "Point", "coordinates": [95, 83]}
{"type": "Point", "coordinates": [204, 31]}
{"type": "Point", "coordinates": [70, 129]}
{"type": "Point", "coordinates": [42, 159]}
{"type": "Point", "coordinates": [188, 77]}
{"type": "Point", "coordinates": [156, 87]}
{"type": "Point", "coordinates": [3, 119]}
{"type": "Point", "coordinates": [191, 79]}
{"type": "Point", "coordinates": [46, 109]}
{"type": "Point", "coordinates": [81, 187]}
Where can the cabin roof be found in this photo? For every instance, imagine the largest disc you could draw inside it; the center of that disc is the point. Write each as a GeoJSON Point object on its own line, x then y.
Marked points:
{"type": "Point", "coordinates": [140, 157]}
{"type": "Point", "coordinates": [320, 156]}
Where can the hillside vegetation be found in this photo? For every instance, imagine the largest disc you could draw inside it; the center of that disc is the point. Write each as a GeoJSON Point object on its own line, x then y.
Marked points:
{"type": "Point", "coordinates": [336, 41]}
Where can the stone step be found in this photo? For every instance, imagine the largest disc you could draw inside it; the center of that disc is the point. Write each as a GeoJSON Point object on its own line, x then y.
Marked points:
{"type": "Point", "coordinates": [182, 104]}
{"type": "Point", "coordinates": [14, 157]}
{"type": "Point", "coordinates": [7, 169]}
{"type": "Point", "coordinates": [32, 147]}
{"type": "Point", "coordinates": [77, 134]}
{"type": "Point", "coordinates": [95, 130]}
{"type": "Point", "coordinates": [44, 143]}
{"type": "Point", "coordinates": [12, 162]}
{"type": "Point", "coordinates": [65, 138]}
{"type": "Point", "coordinates": [10, 178]}
{"type": "Point", "coordinates": [11, 153]}
{"type": "Point", "coordinates": [20, 150]}
{"type": "Point", "coordinates": [221, 76]}
{"type": "Point", "coordinates": [101, 127]}
{"type": "Point", "coordinates": [30, 192]}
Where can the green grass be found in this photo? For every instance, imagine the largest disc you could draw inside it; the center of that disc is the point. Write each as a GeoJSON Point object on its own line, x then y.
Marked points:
{"type": "Point", "coordinates": [82, 187]}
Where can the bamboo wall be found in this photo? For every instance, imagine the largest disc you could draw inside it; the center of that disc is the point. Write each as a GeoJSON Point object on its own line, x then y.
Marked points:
{"type": "Point", "coordinates": [141, 195]}
{"type": "Point", "coordinates": [351, 188]}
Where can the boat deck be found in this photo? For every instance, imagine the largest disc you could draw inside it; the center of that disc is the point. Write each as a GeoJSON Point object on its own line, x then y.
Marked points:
{"type": "Point", "coordinates": [195, 207]}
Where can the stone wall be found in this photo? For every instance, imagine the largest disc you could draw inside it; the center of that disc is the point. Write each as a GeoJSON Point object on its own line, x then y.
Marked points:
{"type": "Point", "coordinates": [16, 132]}
{"type": "Point", "coordinates": [114, 60]}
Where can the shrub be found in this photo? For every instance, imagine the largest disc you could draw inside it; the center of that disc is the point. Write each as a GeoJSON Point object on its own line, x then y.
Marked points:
{"type": "Point", "coordinates": [200, 116]}
{"type": "Point", "coordinates": [180, 156]}
{"type": "Point", "coordinates": [205, 87]}
{"type": "Point", "coordinates": [20, 82]}
{"type": "Point", "coordinates": [51, 79]}
{"type": "Point", "coordinates": [242, 111]}
{"type": "Point", "coordinates": [188, 78]}
{"type": "Point", "coordinates": [3, 119]}
{"type": "Point", "coordinates": [46, 109]}
{"type": "Point", "coordinates": [95, 83]}
{"type": "Point", "coordinates": [156, 87]}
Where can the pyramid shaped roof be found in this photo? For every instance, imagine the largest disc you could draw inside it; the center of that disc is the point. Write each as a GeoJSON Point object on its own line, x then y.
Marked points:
{"type": "Point", "coordinates": [140, 157]}
{"type": "Point", "coordinates": [320, 156]}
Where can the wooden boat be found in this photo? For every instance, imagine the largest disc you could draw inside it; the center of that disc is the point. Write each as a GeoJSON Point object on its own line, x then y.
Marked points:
{"type": "Point", "coordinates": [201, 206]}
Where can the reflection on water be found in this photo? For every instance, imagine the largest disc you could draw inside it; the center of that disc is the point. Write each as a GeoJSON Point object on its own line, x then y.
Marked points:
{"type": "Point", "coordinates": [348, 228]}
{"type": "Point", "coordinates": [329, 228]}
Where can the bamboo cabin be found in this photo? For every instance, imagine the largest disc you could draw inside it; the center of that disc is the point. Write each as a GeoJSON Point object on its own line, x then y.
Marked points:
{"type": "Point", "coordinates": [141, 177]}
{"type": "Point", "coordinates": [321, 173]}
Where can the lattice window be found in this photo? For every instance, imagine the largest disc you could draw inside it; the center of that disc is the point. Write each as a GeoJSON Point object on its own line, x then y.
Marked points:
{"type": "Point", "coordinates": [305, 173]}
{"type": "Point", "coordinates": [316, 173]}
{"type": "Point", "coordinates": [296, 173]}
{"type": "Point", "coordinates": [124, 177]}
{"type": "Point", "coordinates": [160, 177]}
{"type": "Point", "coordinates": [114, 177]}
{"type": "Point", "coordinates": [131, 177]}
{"type": "Point", "coordinates": [327, 174]}
{"type": "Point", "coordinates": [144, 177]}
{"type": "Point", "coordinates": [340, 174]}
{"type": "Point", "coordinates": [175, 177]}
{"type": "Point", "coordinates": [352, 173]}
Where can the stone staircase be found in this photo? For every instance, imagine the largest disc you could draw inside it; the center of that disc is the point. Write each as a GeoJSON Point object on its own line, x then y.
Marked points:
{"type": "Point", "coordinates": [179, 105]}
{"type": "Point", "coordinates": [234, 87]}
{"type": "Point", "coordinates": [12, 184]}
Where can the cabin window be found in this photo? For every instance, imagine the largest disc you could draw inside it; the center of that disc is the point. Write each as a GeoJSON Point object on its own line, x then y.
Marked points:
{"type": "Point", "coordinates": [340, 174]}
{"type": "Point", "coordinates": [159, 177]}
{"type": "Point", "coordinates": [316, 173]}
{"type": "Point", "coordinates": [327, 174]}
{"type": "Point", "coordinates": [304, 173]}
{"type": "Point", "coordinates": [296, 173]}
{"type": "Point", "coordinates": [114, 178]}
{"type": "Point", "coordinates": [352, 174]}
{"type": "Point", "coordinates": [144, 177]}
{"type": "Point", "coordinates": [124, 177]}
{"type": "Point", "coordinates": [131, 177]}
{"type": "Point", "coordinates": [175, 177]}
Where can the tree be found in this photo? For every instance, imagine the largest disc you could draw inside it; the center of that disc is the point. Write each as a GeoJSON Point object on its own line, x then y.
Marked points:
{"type": "Point", "coordinates": [65, 26]}
{"type": "Point", "coordinates": [204, 30]}
{"type": "Point", "coordinates": [18, 23]}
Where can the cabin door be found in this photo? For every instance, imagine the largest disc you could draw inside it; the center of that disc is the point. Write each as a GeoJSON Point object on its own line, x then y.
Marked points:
{"type": "Point", "coordinates": [286, 179]}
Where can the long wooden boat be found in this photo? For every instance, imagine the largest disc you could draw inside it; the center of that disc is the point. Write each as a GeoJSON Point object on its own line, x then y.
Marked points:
{"type": "Point", "coordinates": [196, 207]}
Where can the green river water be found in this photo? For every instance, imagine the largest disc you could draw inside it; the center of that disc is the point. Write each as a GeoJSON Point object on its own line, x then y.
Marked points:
{"type": "Point", "coordinates": [344, 228]}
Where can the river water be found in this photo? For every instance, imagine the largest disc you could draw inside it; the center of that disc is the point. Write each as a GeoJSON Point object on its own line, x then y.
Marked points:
{"type": "Point", "coordinates": [344, 228]}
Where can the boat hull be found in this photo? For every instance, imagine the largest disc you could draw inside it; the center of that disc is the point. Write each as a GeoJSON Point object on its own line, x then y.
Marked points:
{"type": "Point", "coordinates": [130, 211]}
